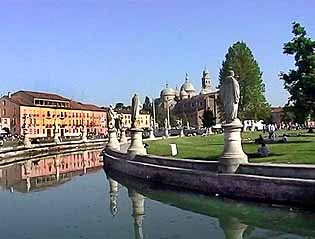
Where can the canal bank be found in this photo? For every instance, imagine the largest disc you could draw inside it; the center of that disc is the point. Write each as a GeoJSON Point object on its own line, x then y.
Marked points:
{"type": "Point", "coordinates": [276, 184]}
{"type": "Point", "coordinates": [13, 154]}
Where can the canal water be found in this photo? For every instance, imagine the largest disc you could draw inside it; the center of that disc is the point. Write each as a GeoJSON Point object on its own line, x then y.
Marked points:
{"type": "Point", "coordinates": [70, 196]}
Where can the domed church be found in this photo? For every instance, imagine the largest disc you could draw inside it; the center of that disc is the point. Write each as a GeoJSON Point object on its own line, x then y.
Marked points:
{"type": "Point", "coordinates": [186, 104]}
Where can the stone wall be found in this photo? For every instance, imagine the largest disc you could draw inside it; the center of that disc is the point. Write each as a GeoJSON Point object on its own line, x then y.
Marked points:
{"type": "Point", "coordinates": [202, 177]}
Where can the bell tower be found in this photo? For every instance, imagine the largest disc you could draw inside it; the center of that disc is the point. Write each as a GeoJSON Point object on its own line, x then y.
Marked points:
{"type": "Point", "coordinates": [205, 82]}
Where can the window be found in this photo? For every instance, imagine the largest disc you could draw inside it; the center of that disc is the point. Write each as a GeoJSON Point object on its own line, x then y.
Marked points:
{"type": "Point", "coordinates": [4, 112]}
{"type": "Point", "coordinates": [48, 113]}
{"type": "Point", "coordinates": [37, 131]}
{"type": "Point", "coordinates": [3, 102]}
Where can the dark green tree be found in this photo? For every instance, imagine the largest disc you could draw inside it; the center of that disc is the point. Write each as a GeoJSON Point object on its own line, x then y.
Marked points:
{"type": "Point", "coordinates": [300, 82]}
{"type": "Point", "coordinates": [253, 104]}
{"type": "Point", "coordinates": [147, 106]}
{"type": "Point", "coordinates": [208, 119]}
{"type": "Point", "coordinates": [119, 105]}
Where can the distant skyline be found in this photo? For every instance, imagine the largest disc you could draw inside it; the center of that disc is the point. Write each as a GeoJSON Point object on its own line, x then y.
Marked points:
{"type": "Point", "coordinates": [102, 52]}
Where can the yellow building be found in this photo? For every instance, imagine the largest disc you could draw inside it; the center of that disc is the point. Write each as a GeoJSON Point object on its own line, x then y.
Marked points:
{"type": "Point", "coordinates": [144, 120]}
{"type": "Point", "coordinates": [40, 113]}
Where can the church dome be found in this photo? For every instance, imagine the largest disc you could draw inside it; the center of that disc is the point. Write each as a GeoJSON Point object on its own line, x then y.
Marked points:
{"type": "Point", "coordinates": [183, 94]}
{"type": "Point", "coordinates": [167, 91]}
{"type": "Point", "coordinates": [187, 86]}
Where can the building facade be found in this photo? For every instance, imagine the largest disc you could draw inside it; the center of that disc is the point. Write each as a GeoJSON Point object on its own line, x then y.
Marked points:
{"type": "Point", "coordinates": [143, 122]}
{"type": "Point", "coordinates": [43, 114]}
{"type": "Point", "coordinates": [277, 115]}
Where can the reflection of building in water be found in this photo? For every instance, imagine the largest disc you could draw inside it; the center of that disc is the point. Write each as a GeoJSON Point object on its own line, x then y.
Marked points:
{"type": "Point", "coordinates": [113, 194]}
{"type": "Point", "coordinates": [137, 212]}
{"type": "Point", "coordinates": [232, 227]}
{"type": "Point", "coordinates": [49, 171]}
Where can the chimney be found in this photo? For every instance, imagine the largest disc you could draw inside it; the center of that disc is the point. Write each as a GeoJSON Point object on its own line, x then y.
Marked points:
{"type": "Point", "coordinates": [9, 94]}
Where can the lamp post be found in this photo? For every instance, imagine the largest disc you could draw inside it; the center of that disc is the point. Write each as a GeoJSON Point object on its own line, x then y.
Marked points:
{"type": "Point", "coordinates": [153, 110]}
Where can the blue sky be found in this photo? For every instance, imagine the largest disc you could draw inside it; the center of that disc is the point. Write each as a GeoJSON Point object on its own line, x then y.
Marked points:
{"type": "Point", "coordinates": [103, 51]}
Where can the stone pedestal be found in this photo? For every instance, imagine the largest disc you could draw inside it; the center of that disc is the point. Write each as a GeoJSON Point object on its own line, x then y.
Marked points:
{"type": "Point", "coordinates": [166, 134]}
{"type": "Point", "coordinates": [181, 133]}
{"type": "Point", "coordinates": [152, 136]}
{"type": "Point", "coordinates": [233, 153]}
{"type": "Point", "coordinates": [112, 139]}
{"type": "Point", "coordinates": [136, 145]}
{"type": "Point", "coordinates": [123, 138]}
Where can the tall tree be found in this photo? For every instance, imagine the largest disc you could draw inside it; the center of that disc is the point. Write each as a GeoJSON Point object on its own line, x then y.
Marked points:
{"type": "Point", "coordinates": [253, 104]}
{"type": "Point", "coordinates": [300, 82]}
{"type": "Point", "coordinates": [147, 106]}
{"type": "Point", "coordinates": [208, 119]}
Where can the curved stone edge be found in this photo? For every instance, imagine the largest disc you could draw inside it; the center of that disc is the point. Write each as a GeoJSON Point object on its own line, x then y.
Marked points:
{"type": "Point", "coordinates": [197, 176]}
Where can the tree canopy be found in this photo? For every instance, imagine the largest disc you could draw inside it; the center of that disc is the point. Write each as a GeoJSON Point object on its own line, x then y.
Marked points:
{"type": "Point", "coordinates": [300, 82]}
{"type": "Point", "coordinates": [119, 105]}
{"type": "Point", "coordinates": [208, 119]}
{"type": "Point", "coordinates": [147, 105]}
{"type": "Point", "coordinates": [253, 104]}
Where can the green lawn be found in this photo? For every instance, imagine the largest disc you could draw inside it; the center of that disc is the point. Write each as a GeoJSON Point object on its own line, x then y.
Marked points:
{"type": "Point", "coordinates": [299, 149]}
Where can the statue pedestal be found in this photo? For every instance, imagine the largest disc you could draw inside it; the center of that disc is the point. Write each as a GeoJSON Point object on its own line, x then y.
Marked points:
{"type": "Point", "coordinates": [233, 154]}
{"type": "Point", "coordinates": [112, 140]}
{"type": "Point", "coordinates": [136, 145]}
{"type": "Point", "coordinates": [151, 133]}
{"type": "Point", "coordinates": [123, 138]}
{"type": "Point", "coordinates": [181, 133]}
{"type": "Point", "coordinates": [166, 134]}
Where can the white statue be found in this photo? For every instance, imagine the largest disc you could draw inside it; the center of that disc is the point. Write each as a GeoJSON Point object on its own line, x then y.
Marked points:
{"type": "Point", "coordinates": [230, 95]}
{"type": "Point", "coordinates": [135, 111]}
{"type": "Point", "coordinates": [111, 117]}
{"type": "Point", "coordinates": [119, 121]}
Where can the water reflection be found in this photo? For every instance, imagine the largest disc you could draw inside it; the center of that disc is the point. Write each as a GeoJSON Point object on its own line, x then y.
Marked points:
{"type": "Point", "coordinates": [237, 220]}
{"type": "Point", "coordinates": [38, 174]}
{"type": "Point", "coordinates": [137, 212]}
{"type": "Point", "coordinates": [113, 196]}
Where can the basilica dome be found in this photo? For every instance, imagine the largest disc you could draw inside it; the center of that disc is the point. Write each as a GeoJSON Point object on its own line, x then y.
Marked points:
{"type": "Point", "coordinates": [183, 94]}
{"type": "Point", "coordinates": [187, 86]}
{"type": "Point", "coordinates": [167, 91]}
